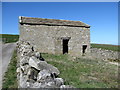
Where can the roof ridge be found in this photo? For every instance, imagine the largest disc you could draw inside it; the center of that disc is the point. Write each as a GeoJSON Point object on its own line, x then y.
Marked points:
{"type": "Point", "coordinates": [34, 20]}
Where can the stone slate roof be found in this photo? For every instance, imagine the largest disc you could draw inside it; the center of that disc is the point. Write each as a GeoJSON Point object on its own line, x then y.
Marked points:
{"type": "Point", "coordinates": [51, 22]}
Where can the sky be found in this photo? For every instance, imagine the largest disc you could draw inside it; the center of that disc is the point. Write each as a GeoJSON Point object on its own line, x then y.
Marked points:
{"type": "Point", "coordinates": [101, 16]}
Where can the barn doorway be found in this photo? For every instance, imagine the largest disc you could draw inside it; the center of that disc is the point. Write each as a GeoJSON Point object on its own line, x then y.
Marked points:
{"type": "Point", "coordinates": [84, 49]}
{"type": "Point", "coordinates": [65, 46]}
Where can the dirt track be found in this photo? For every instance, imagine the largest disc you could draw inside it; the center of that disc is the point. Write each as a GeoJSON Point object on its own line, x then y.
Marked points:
{"type": "Point", "coordinates": [7, 52]}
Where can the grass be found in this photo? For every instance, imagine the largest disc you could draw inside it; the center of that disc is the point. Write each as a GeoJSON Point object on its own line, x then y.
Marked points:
{"type": "Point", "coordinates": [10, 78]}
{"type": "Point", "coordinates": [84, 73]}
{"type": "Point", "coordinates": [107, 47]}
{"type": "Point", "coordinates": [81, 73]}
{"type": "Point", "coordinates": [8, 38]}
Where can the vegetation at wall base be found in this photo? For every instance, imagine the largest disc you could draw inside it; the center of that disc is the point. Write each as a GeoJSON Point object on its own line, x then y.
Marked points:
{"type": "Point", "coordinates": [84, 73]}
{"type": "Point", "coordinates": [10, 78]}
{"type": "Point", "coordinates": [79, 72]}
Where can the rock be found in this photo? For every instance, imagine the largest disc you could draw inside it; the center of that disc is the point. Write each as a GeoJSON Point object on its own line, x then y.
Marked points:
{"type": "Point", "coordinates": [23, 81]}
{"type": "Point", "coordinates": [33, 62]}
{"type": "Point", "coordinates": [36, 85]}
{"type": "Point", "coordinates": [43, 75]}
{"type": "Point", "coordinates": [59, 82]}
{"type": "Point", "coordinates": [44, 65]}
{"type": "Point", "coordinates": [25, 69]}
{"type": "Point", "coordinates": [41, 65]}
{"type": "Point", "coordinates": [37, 55]}
{"type": "Point", "coordinates": [18, 70]}
{"type": "Point", "coordinates": [65, 86]}
{"type": "Point", "coordinates": [24, 60]}
{"type": "Point", "coordinates": [51, 84]}
{"type": "Point", "coordinates": [33, 73]}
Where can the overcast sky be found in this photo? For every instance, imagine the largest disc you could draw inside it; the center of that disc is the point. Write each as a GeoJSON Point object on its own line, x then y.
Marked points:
{"type": "Point", "coordinates": [101, 16]}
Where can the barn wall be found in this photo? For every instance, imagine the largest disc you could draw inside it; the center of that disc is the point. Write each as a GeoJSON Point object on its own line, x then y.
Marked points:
{"type": "Point", "coordinates": [48, 39]}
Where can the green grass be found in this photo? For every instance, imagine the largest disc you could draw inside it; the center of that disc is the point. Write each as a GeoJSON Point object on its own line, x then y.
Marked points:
{"type": "Point", "coordinates": [8, 38]}
{"type": "Point", "coordinates": [80, 73]}
{"type": "Point", "coordinates": [106, 46]}
{"type": "Point", "coordinates": [84, 73]}
{"type": "Point", "coordinates": [10, 78]}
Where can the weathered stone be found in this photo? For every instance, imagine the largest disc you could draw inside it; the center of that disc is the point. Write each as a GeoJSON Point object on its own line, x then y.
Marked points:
{"type": "Point", "coordinates": [66, 86]}
{"type": "Point", "coordinates": [58, 81]}
{"type": "Point", "coordinates": [44, 65]}
{"type": "Point", "coordinates": [50, 39]}
{"type": "Point", "coordinates": [23, 81]}
{"type": "Point", "coordinates": [37, 54]}
{"type": "Point", "coordinates": [25, 69]}
{"type": "Point", "coordinates": [36, 85]}
{"type": "Point", "coordinates": [43, 75]}
{"type": "Point", "coordinates": [41, 65]}
{"type": "Point", "coordinates": [34, 73]}
{"type": "Point", "coordinates": [33, 62]}
{"type": "Point", "coordinates": [24, 60]}
{"type": "Point", "coordinates": [104, 54]}
{"type": "Point", "coordinates": [51, 84]}
{"type": "Point", "coordinates": [18, 70]}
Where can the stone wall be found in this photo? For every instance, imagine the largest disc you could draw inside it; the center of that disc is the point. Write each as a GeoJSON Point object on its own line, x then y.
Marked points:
{"type": "Point", "coordinates": [104, 54]}
{"type": "Point", "coordinates": [33, 71]}
{"type": "Point", "coordinates": [51, 37]}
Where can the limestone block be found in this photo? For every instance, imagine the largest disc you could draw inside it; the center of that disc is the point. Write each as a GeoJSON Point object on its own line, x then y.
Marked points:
{"type": "Point", "coordinates": [36, 85]}
{"type": "Point", "coordinates": [33, 62]}
{"type": "Point", "coordinates": [65, 86]}
{"type": "Point", "coordinates": [24, 60]}
{"type": "Point", "coordinates": [44, 65]}
{"type": "Point", "coordinates": [43, 75]}
{"type": "Point", "coordinates": [59, 81]}
{"type": "Point", "coordinates": [25, 69]}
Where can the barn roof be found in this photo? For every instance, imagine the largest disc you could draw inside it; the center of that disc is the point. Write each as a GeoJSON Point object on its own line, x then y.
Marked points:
{"type": "Point", "coordinates": [51, 22]}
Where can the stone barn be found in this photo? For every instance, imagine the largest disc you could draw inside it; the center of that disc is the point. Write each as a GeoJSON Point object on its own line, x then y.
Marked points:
{"type": "Point", "coordinates": [56, 36]}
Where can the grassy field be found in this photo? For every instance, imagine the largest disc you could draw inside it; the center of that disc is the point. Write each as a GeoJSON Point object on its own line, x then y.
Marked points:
{"type": "Point", "coordinates": [10, 78]}
{"type": "Point", "coordinates": [84, 73]}
{"type": "Point", "coordinates": [81, 73]}
{"type": "Point", "coordinates": [8, 38]}
{"type": "Point", "coordinates": [106, 46]}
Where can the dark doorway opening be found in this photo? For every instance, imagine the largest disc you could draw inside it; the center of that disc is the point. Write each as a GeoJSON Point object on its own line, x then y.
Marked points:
{"type": "Point", "coordinates": [84, 48]}
{"type": "Point", "coordinates": [65, 46]}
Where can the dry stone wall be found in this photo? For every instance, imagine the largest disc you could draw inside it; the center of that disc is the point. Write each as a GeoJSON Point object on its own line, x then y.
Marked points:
{"type": "Point", "coordinates": [104, 54]}
{"type": "Point", "coordinates": [33, 71]}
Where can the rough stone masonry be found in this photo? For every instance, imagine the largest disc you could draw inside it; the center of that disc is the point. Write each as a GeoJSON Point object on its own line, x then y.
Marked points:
{"type": "Point", "coordinates": [56, 36]}
{"type": "Point", "coordinates": [34, 72]}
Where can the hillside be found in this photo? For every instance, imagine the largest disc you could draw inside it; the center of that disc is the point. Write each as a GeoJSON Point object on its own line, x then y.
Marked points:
{"type": "Point", "coordinates": [8, 38]}
{"type": "Point", "coordinates": [106, 46]}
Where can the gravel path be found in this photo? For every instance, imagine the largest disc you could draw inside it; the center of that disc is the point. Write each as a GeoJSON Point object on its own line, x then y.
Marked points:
{"type": "Point", "coordinates": [6, 51]}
